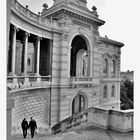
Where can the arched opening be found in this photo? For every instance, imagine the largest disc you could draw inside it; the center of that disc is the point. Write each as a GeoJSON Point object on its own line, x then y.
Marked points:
{"type": "Point", "coordinates": [79, 64]}
{"type": "Point", "coordinates": [105, 67]}
{"type": "Point", "coordinates": [113, 91]}
{"type": "Point", "coordinates": [79, 104]}
{"type": "Point", "coordinates": [113, 69]}
{"type": "Point", "coordinates": [105, 90]}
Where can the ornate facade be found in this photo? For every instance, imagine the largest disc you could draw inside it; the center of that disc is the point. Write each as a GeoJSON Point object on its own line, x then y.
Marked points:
{"type": "Point", "coordinates": [58, 64]}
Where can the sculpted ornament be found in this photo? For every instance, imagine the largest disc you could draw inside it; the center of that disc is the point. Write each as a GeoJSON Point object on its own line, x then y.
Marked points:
{"type": "Point", "coordinates": [81, 30]}
{"type": "Point", "coordinates": [65, 35]}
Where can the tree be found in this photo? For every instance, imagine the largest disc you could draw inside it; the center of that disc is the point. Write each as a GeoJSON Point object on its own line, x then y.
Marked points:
{"type": "Point", "coordinates": [126, 94]}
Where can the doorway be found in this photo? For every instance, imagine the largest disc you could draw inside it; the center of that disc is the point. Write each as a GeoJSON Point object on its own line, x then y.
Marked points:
{"type": "Point", "coordinates": [78, 104]}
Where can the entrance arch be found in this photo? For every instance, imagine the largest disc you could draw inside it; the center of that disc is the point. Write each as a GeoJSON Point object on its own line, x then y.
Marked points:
{"type": "Point", "coordinates": [79, 58]}
{"type": "Point", "coordinates": [79, 103]}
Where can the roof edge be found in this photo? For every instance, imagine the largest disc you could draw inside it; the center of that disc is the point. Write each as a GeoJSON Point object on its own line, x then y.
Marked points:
{"type": "Point", "coordinates": [110, 41]}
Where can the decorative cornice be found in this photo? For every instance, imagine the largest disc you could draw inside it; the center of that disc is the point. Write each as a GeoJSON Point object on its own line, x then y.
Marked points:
{"type": "Point", "coordinates": [77, 16]}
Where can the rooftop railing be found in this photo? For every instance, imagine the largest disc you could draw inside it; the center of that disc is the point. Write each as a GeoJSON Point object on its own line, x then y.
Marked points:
{"type": "Point", "coordinates": [35, 17]}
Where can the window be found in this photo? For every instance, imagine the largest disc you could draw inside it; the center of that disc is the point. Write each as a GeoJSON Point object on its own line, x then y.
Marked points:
{"type": "Point", "coordinates": [113, 65]}
{"type": "Point", "coordinates": [105, 92]}
{"type": "Point", "coordinates": [28, 61]}
{"type": "Point", "coordinates": [113, 91]}
{"type": "Point", "coordinates": [105, 66]}
{"type": "Point", "coordinates": [82, 102]}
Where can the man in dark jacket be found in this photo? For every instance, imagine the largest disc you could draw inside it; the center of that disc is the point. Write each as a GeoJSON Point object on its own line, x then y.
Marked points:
{"type": "Point", "coordinates": [32, 126]}
{"type": "Point", "coordinates": [24, 126]}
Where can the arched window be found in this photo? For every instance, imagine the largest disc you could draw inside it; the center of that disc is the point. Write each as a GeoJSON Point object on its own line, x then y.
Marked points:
{"type": "Point", "coordinates": [113, 91]}
{"type": "Point", "coordinates": [113, 67]}
{"type": "Point", "coordinates": [28, 61]}
{"type": "Point", "coordinates": [105, 67]}
{"type": "Point", "coordinates": [105, 92]}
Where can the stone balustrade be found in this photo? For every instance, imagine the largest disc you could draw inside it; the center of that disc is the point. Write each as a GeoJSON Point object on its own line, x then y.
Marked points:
{"type": "Point", "coordinates": [75, 80]}
{"type": "Point", "coordinates": [35, 17]}
{"type": "Point", "coordinates": [70, 122]}
{"type": "Point", "coordinates": [21, 82]}
{"type": "Point", "coordinates": [118, 120]}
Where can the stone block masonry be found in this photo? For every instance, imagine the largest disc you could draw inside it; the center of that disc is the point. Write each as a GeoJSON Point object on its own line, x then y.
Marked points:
{"type": "Point", "coordinates": [31, 103]}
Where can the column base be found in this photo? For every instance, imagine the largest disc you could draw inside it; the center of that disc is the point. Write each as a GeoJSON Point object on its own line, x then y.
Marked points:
{"type": "Point", "coordinates": [37, 74]}
{"type": "Point", "coordinates": [24, 74]}
{"type": "Point", "coordinates": [38, 77]}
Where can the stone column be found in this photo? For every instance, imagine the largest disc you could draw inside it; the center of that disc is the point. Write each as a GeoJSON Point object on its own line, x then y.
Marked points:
{"type": "Point", "coordinates": [13, 50]}
{"type": "Point", "coordinates": [25, 45]}
{"type": "Point", "coordinates": [37, 55]}
{"type": "Point", "coordinates": [8, 26]}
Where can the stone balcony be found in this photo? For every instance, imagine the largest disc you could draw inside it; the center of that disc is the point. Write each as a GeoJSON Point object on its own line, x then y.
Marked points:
{"type": "Point", "coordinates": [24, 82]}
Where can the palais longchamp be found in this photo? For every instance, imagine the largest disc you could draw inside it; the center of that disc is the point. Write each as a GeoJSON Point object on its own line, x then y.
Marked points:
{"type": "Point", "coordinates": [58, 65]}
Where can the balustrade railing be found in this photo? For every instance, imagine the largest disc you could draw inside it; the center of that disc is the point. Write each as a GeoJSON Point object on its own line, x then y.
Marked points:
{"type": "Point", "coordinates": [99, 117]}
{"type": "Point", "coordinates": [18, 82]}
{"type": "Point", "coordinates": [87, 81]}
{"type": "Point", "coordinates": [76, 79]}
{"type": "Point", "coordinates": [70, 122]}
{"type": "Point", "coordinates": [32, 16]}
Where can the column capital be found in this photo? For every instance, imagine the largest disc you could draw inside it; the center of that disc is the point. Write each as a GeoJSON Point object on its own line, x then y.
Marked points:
{"type": "Point", "coordinates": [16, 29]}
{"type": "Point", "coordinates": [27, 34]}
{"type": "Point", "coordinates": [39, 38]}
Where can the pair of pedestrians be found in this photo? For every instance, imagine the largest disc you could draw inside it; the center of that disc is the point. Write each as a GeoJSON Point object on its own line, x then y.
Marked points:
{"type": "Point", "coordinates": [25, 126]}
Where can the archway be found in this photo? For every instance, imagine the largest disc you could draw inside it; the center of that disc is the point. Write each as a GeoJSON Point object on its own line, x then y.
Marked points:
{"type": "Point", "coordinates": [79, 103]}
{"type": "Point", "coordinates": [80, 61]}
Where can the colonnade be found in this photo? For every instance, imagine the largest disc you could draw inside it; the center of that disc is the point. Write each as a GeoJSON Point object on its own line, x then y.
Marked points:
{"type": "Point", "coordinates": [25, 52]}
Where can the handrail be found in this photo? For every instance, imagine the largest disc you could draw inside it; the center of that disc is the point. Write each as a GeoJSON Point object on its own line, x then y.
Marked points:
{"type": "Point", "coordinates": [70, 122]}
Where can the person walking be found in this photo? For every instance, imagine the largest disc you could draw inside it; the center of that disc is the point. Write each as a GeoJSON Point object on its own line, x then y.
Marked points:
{"type": "Point", "coordinates": [32, 126]}
{"type": "Point", "coordinates": [24, 126]}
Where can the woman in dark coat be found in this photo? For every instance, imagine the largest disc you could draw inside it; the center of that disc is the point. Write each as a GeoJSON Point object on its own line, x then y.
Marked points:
{"type": "Point", "coordinates": [24, 126]}
{"type": "Point", "coordinates": [32, 126]}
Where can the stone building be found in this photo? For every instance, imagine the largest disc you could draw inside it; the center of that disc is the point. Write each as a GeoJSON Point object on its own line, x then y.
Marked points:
{"type": "Point", "coordinates": [58, 64]}
{"type": "Point", "coordinates": [129, 75]}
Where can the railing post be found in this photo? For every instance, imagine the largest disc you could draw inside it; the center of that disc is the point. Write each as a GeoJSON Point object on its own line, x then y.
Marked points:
{"type": "Point", "coordinates": [63, 126]}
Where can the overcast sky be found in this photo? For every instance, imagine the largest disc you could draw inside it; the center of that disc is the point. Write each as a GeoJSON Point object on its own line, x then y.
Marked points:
{"type": "Point", "coordinates": [120, 23]}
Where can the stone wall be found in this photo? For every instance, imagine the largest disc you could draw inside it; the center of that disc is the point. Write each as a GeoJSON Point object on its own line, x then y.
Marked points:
{"type": "Point", "coordinates": [68, 93]}
{"type": "Point", "coordinates": [111, 118]}
{"type": "Point", "coordinates": [31, 103]}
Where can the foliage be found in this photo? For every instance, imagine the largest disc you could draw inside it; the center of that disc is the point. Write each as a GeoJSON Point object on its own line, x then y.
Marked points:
{"type": "Point", "coordinates": [126, 94]}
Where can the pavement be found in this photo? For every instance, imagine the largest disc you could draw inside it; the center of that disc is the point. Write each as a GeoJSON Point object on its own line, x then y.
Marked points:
{"type": "Point", "coordinates": [90, 133]}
